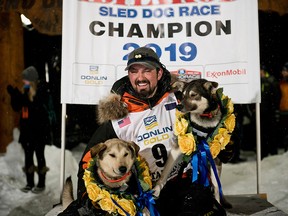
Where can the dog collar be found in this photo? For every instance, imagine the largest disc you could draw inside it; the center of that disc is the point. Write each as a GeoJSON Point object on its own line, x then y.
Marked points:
{"type": "Point", "coordinates": [115, 180]}
{"type": "Point", "coordinates": [210, 114]}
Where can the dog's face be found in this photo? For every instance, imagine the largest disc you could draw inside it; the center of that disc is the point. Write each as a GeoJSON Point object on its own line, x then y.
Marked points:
{"type": "Point", "coordinates": [115, 157]}
{"type": "Point", "coordinates": [197, 96]}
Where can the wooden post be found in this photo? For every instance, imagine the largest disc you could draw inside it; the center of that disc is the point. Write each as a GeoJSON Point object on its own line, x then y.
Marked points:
{"type": "Point", "coordinates": [12, 64]}
{"type": "Point", "coordinates": [46, 17]}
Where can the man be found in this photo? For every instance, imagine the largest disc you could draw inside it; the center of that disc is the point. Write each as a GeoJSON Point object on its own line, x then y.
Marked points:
{"type": "Point", "coordinates": [149, 123]}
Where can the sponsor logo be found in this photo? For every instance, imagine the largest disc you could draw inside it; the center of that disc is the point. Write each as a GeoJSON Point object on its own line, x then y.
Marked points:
{"type": "Point", "coordinates": [155, 136]}
{"type": "Point", "coordinates": [187, 75]}
{"type": "Point", "coordinates": [225, 73]}
{"type": "Point", "coordinates": [93, 68]}
{"type": "Point", "coordinates": [150, 122]}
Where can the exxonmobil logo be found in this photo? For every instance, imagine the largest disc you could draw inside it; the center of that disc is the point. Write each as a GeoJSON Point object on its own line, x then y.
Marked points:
{"type": "Point", "coordinates": [225, 73]}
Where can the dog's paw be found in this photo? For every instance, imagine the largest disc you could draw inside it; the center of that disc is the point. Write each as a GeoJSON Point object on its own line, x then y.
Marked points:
{"type": "Point", "coordinates": [146, 212]}
{"type": "Point", "coordinates": [157, 190]}
{"type": "Point", "coordinates": [111, 108]}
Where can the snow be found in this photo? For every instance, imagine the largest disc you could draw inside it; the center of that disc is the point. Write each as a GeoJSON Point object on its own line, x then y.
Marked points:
{"type": "Point", "coordinates": [236, 179]}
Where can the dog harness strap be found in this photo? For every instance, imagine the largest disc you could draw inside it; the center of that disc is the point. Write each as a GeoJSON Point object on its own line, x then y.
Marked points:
{"type": "Point", "coordinates": [119, 206]}
{"type": "Point", "coordinates": [210, 114]}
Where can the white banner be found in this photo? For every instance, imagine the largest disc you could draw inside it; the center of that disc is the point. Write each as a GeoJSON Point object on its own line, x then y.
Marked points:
{"type": "Point", "coordinates": [212, 39]}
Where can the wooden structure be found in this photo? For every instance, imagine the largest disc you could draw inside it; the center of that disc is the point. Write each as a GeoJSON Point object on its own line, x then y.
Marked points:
{"type": "Point", "coordinates": [46, 17]}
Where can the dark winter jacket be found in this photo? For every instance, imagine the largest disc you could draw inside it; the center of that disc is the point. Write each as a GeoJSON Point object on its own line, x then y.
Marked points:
{"type": "Point", "coordinates": [106, 130]}
{"type": "Point", "coordinates": [34, 121]}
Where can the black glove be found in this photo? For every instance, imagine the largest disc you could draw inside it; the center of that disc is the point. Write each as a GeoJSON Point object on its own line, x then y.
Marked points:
{"type": "Point", "coordinates": [10, 89]}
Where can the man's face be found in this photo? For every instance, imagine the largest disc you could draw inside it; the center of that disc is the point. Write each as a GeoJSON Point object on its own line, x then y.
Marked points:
{"type": "Point", "coordinates": [144, 80]}
{"type": "Point", "coordinates": [285, 73]}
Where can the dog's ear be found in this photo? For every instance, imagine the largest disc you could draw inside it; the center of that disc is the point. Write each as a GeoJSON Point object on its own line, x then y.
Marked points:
{"type": "Point", "coordinates": [176, 83]}
{"type": "Point", "coordinates": [135, 147]}
{"type": "Point", "coordinates": [98, 150]}
{"type": "Point", "coordinates": [178, 86]}
{"type": "Point", "coordinates": [210, 85]}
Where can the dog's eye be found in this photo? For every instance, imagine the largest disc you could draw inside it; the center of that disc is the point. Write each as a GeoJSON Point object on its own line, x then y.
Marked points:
{"type": "Point", "coordinates": [193, 94]}
{"type": "Point", "coordinates": [112, 155]}
{"type": "Point", "coordinates": [126, 154]}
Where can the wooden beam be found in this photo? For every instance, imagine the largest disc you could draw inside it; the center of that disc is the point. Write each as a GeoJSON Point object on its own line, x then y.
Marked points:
{"type": "Point", "coordinates": [46, 16]}
{"type": "Point", "coordinates": [12, 64]}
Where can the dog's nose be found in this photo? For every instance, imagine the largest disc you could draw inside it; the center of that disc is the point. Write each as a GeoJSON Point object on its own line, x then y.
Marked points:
{"type": "Point", "coordinates": [123, 169]}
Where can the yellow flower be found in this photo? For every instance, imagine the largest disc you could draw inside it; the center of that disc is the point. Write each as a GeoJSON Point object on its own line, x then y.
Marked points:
{"type": "Point", "coordinates": [128, 206]}
{"type": "Point", "coordinates": [143, 163]}
{"type": "Point", "coordinates": [87, 177]}
{"type": "Point", "coordinates": [230, 123]}
{"type": "Point", "coordinates": [224, 97]}
{"type": "Point", "coordinates": [181, 126]}
{"type": "Point", "coordinates": [104, 194]}
{"type": "Point", "coordinates": [93, 191]}
{"type": "Point", "coordinates": [223, 137]}
{"type": "Point", "coordinates": [215, 148]}
{"type": "Point", "coordinates": [187, 143]}
{"type": "Point", "coordinates": [148, 180]}
{"type": "Point", "coordinates": [230, 106]}
{"type": "Point", "coordinates": [107, 205]}
{"type": "Point", "coordinates": [145, 171]}
{"type": "Point", "coordinates": [179, 114]}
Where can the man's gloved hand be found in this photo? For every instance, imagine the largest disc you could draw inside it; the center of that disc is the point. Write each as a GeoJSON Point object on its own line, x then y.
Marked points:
{"type": "Point", "coordinates": [10, 89]}
{"type": "Point", "coordinates": [13, 91]}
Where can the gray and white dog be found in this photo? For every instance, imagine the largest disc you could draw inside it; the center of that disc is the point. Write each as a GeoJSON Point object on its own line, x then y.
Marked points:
{"type": "Point", "coordinates": [199, 99]}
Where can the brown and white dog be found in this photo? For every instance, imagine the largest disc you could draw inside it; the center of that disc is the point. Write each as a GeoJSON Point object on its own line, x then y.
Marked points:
{"type": "Point", "coordinates": [115, 158]}
{"type": "Point", "coordinates": [198, 98]}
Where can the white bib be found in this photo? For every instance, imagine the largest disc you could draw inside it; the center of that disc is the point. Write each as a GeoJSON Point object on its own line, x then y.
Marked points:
{"type": "Point", "coordinates": [152, 130]}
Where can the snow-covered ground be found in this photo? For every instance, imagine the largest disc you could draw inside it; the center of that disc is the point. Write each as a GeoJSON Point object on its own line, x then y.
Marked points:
{"type": "Point", "coordinates": [236, 179]}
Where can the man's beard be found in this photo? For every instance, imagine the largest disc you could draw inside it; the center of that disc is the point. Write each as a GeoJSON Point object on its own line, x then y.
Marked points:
{"type": "Point", "coordinates": [146, 93]}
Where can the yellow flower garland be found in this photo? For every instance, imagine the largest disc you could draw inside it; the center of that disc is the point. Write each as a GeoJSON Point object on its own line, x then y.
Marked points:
{"type": "Point", "coordinates": [221, 135]}
{"type": "Point", "coordinates": [101, 196]}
